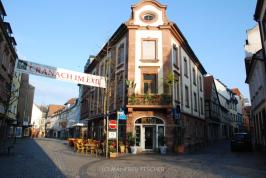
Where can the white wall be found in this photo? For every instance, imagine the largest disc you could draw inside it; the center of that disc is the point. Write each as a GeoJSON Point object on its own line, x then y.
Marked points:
{"type": "Point", "coordinates": [137, 17]}
{"type": "Point", "coordinates": [257, 84]}
{"type": "Point", "coordinates": [174, 42]}
{"type": "Point", "coordinates": [261, 19]}
{"type": "Point", "coordinates": [36, 117]}
{"type": "Point", "coordinates": [140, 34]}
{"type": "Point", "coordinates": [188, 81]}
{"type": "Point", "coordinates": [254, 41]}
{"type": "Point", "coordinates": [73, 115]}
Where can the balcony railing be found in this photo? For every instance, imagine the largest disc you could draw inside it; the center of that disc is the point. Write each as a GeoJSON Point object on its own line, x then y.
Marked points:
{"type": "Point", "coordinates": [150, 99]}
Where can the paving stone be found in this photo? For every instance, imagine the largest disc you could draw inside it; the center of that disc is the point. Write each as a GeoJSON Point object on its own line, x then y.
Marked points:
{"type": "Point", "coordinates": [54, 158]}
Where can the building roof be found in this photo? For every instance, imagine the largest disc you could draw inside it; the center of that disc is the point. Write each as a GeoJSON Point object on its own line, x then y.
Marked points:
{"type": "Point", "coordinates": [250, 63]}
{"type": "Point", "coordinates": [236, 91]}
{"type": "Point", "coordinates": [258, 9]}
{"type": "Point", "coordinates": [71, 101]}
{"type": "Point", "coordinates": [188, 49]}
{"type": "Point", "coordinates": [208, 84]}
{"type": "Point", "coordinates": [54, 108]}
{"type": "Point", "coordinates": [7, 31]}
{"type": "Point", "coordinates": [122, 29]}
{"type": "Point", "coordinates": [2, 9]}
{"type": "Point", "coordinates": [8, 27]}
{"type": "Point", "coordinates": [13, 41]}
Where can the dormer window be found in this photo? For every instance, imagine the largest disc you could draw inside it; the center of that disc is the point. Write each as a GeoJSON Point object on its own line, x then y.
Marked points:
{"type": "Point", "coordinates": [148, 16]}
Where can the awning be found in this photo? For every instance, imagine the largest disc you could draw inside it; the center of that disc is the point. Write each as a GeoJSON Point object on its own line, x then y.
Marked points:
{"type": "Point", "coordinates": [78, 125]}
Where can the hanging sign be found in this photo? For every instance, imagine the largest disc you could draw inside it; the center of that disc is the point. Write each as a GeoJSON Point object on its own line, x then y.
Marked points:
{"type": "Point", "coordinates": [121, 115]}
{"type": "Point", "coordinates": [176, 112]}
{"type": "Point", "coordinates": [60, 74]}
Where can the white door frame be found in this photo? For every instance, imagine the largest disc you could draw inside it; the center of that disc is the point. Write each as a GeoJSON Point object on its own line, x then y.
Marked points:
{"type": "Point", "coordinates": [142, 135]}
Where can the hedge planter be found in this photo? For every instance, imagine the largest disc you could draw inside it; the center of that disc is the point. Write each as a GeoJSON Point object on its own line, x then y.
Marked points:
{"type": "Point", "coordinates": [133, 149]}
{"type": "Point", "coordinates": [163, 150]}
{"type": "Point", "coordinates": [180, 149]}
{"type": "Point", "coordinates": [122, 148]}
{"type": "Point", "coordinates": [113, 154]}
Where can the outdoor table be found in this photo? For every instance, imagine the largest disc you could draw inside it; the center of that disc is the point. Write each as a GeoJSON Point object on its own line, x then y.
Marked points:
{"type": "Point", "coordinates": [91, 147]}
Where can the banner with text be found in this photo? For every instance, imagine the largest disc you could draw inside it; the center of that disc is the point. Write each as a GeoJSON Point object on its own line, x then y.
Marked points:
{"type": "Point", "coordinates": [60, 74]}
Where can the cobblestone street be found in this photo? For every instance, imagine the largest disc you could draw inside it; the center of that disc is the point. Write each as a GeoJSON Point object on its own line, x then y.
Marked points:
{"type": "Point", "coordinates": [54, 158]}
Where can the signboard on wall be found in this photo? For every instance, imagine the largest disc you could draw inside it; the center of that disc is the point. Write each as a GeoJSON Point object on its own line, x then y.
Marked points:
{"type": "Point", "coordinates": [176, 112]}
{"type": "Point", "coordinates": [60, 74]}
{"type": "Point", "coordinates": [112, 134]}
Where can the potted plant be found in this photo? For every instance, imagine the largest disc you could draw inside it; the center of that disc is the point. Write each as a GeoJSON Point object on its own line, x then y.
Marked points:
{"type": "Point", "coordinates": [131, 85]}
{"type": "Point", "coordinates": [147, 98]}
{"type": "Point", "coordinates": [112, 152]}
{"type": "Point", "coordinates": [131, 141]}
{"type": "Point", "coordinates": [163, 146]}
{"type": "Point", "coordinates": [122, 147]}
{"type": "Point", "coordinates": [132, 99]}
{"type": "Point", "coordinates": [169, 81]}
{"type": "Point", "coordinates": [112, 149]}
{"type": "Point", "coordinates": [180, 147]}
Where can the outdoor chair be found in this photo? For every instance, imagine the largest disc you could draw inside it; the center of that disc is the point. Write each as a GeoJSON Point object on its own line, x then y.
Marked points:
{"type": "Point", "coordinates": [71, 141]}
{"type": "Point", "coordinates": [92, 149]}
{"type": "Point", "coordinates": [79, 140]}
{"type": "Point", "coordinates": [80, 148]}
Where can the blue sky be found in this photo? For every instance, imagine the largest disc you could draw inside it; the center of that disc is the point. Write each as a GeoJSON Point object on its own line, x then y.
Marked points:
{"type": "Point", "coordinates": [64, 33]}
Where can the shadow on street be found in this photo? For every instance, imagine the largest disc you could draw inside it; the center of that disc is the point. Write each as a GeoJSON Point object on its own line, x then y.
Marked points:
{"type": "Point", "coordinates": [28, 160]}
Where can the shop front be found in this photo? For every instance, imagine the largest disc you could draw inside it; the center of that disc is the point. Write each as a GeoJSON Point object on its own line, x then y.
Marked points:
{"type": "Point", "coordinates": [151, 127]}
{"type": "Point", "coordinates": [149, 133]}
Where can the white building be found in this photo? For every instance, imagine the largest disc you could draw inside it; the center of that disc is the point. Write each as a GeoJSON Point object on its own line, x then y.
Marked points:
{"type": "Point", "coordinates": [256, 73]}
{"type": "Point", "coordinates": [241, 104]}
{"type": "Point", "coordinates": [64, 121]}
{"type": "Point", "coordinates": [76, 127]}
{"type": "Point", "coordinates": [52, 120]}
{"type": "Point", "coordinates": [228, 103]}
{"type": "Point", "coordinates": [37, 121]}
{"type": "Point", "coordinates": [253, 42]}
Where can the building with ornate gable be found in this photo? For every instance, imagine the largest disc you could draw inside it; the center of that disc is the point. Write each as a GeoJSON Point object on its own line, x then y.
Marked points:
{"type": "Point", "coordinates": [154, 75]}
